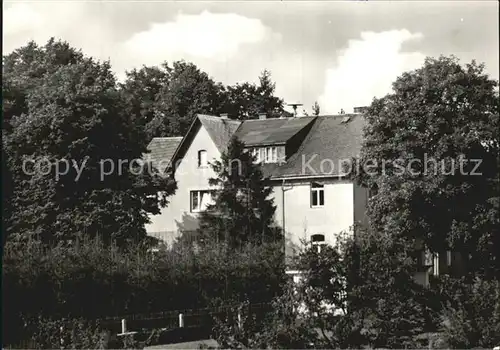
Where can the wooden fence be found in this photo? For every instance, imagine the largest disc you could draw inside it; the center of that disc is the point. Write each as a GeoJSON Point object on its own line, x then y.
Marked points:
{"type": "Point", "coordinates": [189, 318]}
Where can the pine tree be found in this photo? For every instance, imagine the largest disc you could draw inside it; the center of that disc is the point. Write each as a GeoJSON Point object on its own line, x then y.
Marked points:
{"type": "Point", "coordinates": [242, 211]}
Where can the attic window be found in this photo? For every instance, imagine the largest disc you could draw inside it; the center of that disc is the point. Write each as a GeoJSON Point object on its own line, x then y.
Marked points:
{"type": "Point", "coordinates": [256, 154]}
{"type": "Point", "coordinates": [271, 155]}
{"type": "Point", "coordinates": [202, 159]}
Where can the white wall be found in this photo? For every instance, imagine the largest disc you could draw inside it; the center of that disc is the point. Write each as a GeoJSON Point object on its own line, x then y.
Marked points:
{"type": "Point", "coordinates": [302, 220]}
{"type": "Point", "coordinates": [189, 177]}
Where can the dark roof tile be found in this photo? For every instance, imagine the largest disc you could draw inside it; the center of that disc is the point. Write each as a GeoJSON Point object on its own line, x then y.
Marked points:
{"type": "Point", "coordinates": [331, 140]}
{"type": "Point", "coordinates": [270, 131]}
{"type": "Point", "coordinates": [161, 150]}
{"type": "Point", "coordinates": [220, 130]}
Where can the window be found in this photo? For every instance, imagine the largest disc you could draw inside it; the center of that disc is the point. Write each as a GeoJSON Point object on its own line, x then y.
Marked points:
{"type": "Point", "coordinates": [317, 195]}
{"type": "Point", "coordinates": [448, 258]}
{"type": "Point", "coordinates": [318, 240]}
{"type": "Point", "coordinates": [265, 154]}
{"type": "Point", "coordinates": [435, 265]}
{"type": "Point", "coordinates": [271, 154]}
{"type": "Point", "coordinates": [256, 154]}
{"type": "Point", "coordinates": [200, 200]}
{"type": "Point", "coordinates": [202, 159]}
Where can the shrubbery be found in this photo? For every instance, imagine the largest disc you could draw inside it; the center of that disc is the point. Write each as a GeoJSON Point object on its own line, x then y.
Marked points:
{"type": "Point", "coordinates": [471, 312]}
{"type": "Point", "coordinates": [91, 281]}
{"type": "Point", "coordinates": [379, 305]}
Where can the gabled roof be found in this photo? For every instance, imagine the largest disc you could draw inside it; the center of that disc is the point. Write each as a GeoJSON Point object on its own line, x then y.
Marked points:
{"type": "Point", "coordinates": [220, 130]}
{"type": "Point", "coordinates": [332, 139]}
{"type": "Point", "coordinates": [161, 150]}
{"type": "Point", "coordinates": [270, 131]}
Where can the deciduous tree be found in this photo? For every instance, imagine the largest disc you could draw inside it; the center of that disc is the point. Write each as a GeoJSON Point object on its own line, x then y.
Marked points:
{"type": "Point", "coordinates": [63, 110]}
{"type": "Point", "coordinates": [432, 150]}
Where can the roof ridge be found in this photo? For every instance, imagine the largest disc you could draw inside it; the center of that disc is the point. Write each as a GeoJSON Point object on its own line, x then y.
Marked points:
{"type": "Point", "coordinates": [287, 118]}
{"type": "Point", "coordinates": [339, 115]}
{"type": "Point", "coordinates": [167, 137]}
{"type": "Point", "coordinates": [214, 117]}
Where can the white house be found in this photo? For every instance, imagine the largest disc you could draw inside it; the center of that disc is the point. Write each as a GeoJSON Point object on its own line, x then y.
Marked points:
{"type": "Point", "coordinates": [301, 157]}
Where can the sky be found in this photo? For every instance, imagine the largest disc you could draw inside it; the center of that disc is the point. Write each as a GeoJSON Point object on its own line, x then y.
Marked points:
{"type": "Point", "coordinates": [339, 53]}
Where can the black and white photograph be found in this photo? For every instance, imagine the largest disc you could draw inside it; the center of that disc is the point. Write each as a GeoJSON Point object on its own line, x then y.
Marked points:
{"type": "Point", "coordinates": [250, 174]}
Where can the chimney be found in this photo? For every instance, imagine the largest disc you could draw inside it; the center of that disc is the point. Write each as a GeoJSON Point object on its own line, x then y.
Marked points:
{"type": "Point", "coordinates": [294, 106]}
{"type": "Point", "coordinates": [224, 116]}
{"type": "Point", "coordinates": [262, 116]}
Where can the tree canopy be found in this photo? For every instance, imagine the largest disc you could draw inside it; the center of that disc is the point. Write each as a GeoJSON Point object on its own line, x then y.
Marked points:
{"type": "Point", "coordinates": [66, 111]}
{"type": "Point", "coordinates": [431, 155]}
{"type": "Point", "coordinates": [168, 97]}
{"type": "Point", "coordinates": [73, 150]}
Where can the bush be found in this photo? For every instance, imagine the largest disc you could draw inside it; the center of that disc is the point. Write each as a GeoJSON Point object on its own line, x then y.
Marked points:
{"type": "Point", "coordinates": [91, 281]}
{"type": "Point", "coordinates": [358, 293]}
{"type": "Point", "coordinates": [471, 313]}
{"type": "Point", "coordinates": [47, 333]}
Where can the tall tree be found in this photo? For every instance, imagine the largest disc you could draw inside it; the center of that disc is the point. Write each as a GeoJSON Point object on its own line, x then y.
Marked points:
{"type": "Point", "coordinates": [141, 89]}
{"type": "Point", "coordinates": [247, 100]}
{"type": "Point", "coordinates": [242, 211]}
{"type": "Point", "coordinates": [168, 97]}
{"type": "Point", "coordinates": [437, 134]}
{"type": "Point", "coordinates": [67, 119]}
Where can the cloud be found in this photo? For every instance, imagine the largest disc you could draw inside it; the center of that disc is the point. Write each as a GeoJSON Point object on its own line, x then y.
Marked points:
{"type": "Point", "coordinates": [68, 20]}
{"type": "Point", "coordinates": [367, 68]}
{"type": "Point", "coordinates": [207, 35]}
{"type": "Point", "coordinates": [20, 17]}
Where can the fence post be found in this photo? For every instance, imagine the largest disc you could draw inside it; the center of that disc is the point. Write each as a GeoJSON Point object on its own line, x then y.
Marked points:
{"type": "Point", "coordinates": [61, 330]}
{"type": "Point", "coordinates": [240, 322]}
{"type": "Point", "coordinates": [181, 320]}
{"type": "Point", "coordinates": [124, 326]}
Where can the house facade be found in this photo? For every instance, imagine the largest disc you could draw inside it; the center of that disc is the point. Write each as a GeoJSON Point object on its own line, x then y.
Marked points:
{"type": "Point", "coordinates": [302, 160]}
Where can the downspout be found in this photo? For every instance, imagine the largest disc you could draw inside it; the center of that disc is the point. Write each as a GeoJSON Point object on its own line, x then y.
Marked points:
{"type": "Point", "coordinates": [283, 208]}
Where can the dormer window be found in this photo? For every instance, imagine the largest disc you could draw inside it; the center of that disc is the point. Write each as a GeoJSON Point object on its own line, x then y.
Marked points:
{"type": "Point", "coordinates": [202, 159]}
{"type": "Point", "coordinates": [256, 154]}
{"type": "Point", "coordinates": [271, 154]}
{"type": "Point", "coordinates": [265, 154]}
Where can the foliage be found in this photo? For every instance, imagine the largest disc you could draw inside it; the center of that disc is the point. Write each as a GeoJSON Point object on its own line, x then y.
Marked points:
{"type": "Point", "coordinates": [91, 280]}
{"type": "Point", "coordinates": [437, 117]}
{"type": "Point", "coordinates": [394, 309]}
{"type": "Point", "coordinates": [242, 211]}
{"type": "Point", "coordinates": [247, 100]}
{"type": "Point", "coordinates": [167, 98]}
{"type": "Point", "coordinates": [279, 329]}
{"type": "Point", "coordinates": [47, 333]}
{"type": "Point", "coordinates": [353, 294]}
{"type": "Point", "coordinates": [67, 333]}
{"type": "Point", "coordinates": [64, 109]}
{"type": "Point", "coordinates": [471, 313]}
